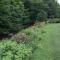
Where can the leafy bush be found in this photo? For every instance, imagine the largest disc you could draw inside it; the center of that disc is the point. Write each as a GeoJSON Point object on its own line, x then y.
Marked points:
{"type": "Point", "coordinates": [27, 31]}
{"type": "Point", "coordinates": [54, 20]}
{"type": "Point", "coordinates": [33, 36]}
{"type": "Point", "coordinates": [20, 37]}
{"type": "Point", "coordinates": [11, 50]}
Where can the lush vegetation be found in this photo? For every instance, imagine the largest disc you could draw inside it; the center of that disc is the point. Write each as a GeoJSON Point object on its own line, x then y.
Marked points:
{"type": "Point", "coordinates": [16, 50]}
{"type": "Point", "coordinates": [17, 14]}
{"type": "Point", "coordinates": [27, 31]}
{"type": "Point", "coordinates": [42, 44]}
{"type": "Point", "coordinates": [11, 50]}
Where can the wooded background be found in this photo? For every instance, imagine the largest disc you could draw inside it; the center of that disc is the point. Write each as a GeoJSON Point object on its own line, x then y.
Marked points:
{"type": "Point", "coordinates": [17, 14]}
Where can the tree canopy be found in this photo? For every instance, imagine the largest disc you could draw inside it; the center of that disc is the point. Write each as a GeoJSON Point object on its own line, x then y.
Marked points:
{"type": "Point", "coordinates": [15, 14]}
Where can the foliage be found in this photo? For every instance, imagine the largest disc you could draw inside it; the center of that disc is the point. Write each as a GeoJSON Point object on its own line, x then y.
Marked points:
{"type": "Point", "coordinates": [41, 16]}
{"type": "Point", "coordinates": [18, 14]}
{"type": "Point", "coordinates": [20, 37]}
{"type": "Point", "coordinates": [11, 50]}
{"type": "Point", "coordinates": [40, 42]}
{"type": "Point", "coordinates": [12, 15]}
{"type": "Point", "coordinates": [56, 20]}
{"type": "Point", "coordinates": [33, 36]}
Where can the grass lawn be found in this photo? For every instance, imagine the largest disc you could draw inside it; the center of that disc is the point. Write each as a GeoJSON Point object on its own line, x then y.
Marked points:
{"type": "Point", "coordinates": [49, 46]}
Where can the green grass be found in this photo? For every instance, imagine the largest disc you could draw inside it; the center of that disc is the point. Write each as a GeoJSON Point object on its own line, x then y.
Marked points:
{"type": "Point", "coordinates": [49, 46]}
{"type": "Point", "coordinates": [54, 32]}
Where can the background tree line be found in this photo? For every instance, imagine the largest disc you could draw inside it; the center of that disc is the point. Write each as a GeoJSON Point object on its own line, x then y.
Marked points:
{"type": "Point", "coordinates": [17, 14]}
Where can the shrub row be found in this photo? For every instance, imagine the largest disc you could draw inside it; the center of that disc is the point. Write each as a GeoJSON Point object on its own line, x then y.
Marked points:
{"type": "Point", "coordinates": [56, 20]}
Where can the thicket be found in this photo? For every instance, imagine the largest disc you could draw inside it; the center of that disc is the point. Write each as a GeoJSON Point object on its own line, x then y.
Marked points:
{"type": "Point", "coordinates": [11, 50]}
{"type": "Point", "coordinates": [17, 14]}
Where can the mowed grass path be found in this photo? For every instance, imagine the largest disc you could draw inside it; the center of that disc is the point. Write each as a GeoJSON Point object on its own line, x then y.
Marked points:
{"type": "Point", "coordinates": [49, 46]}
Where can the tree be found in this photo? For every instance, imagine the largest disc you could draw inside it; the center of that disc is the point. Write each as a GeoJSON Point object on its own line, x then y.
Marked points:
{"type": "Point", "coordinates": [12, 15]}
{"type": "Point", "coordinates": [15, 14]}
{"type": "Point", "coordinates": [51, 8]}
